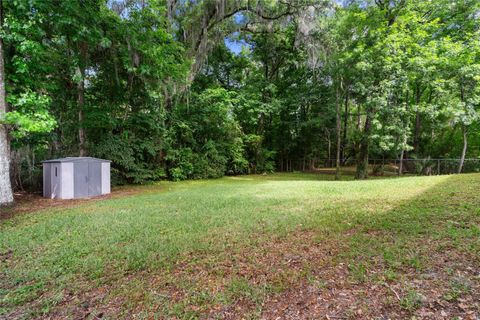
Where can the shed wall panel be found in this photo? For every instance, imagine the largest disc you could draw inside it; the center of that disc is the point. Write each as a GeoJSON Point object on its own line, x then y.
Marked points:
{"type": "Point", "coordinates": [47, 181]}
{"type": "Point", "coordinates": [80, 178]}
{"type": "Point", "coordinates": [67, 180]}
{"type": "Point", "coordinates": [106, 178]}
{"type": "Point", "coordinates": [94, 178]}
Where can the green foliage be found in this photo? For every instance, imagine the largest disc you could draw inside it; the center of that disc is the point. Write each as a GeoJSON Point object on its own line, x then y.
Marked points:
{"type": "Point", "coordinates": [160, 94]}
{"type": "Point", "coordinates": [134, 158]}
{"type": "Point", "coordinates": [207, 141]}
{"type": "Point", "coordinates": [181, 162]}
{"type": "Point", "coordinates": [30, 115]}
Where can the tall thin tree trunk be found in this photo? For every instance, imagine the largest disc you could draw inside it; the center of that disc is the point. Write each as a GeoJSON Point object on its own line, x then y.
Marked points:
{"type": "Point", "coordinates": [81, 104]}
{"type": "Point", "coordinates": [82, 136]}
{"type": "Point", "coordinates": [464, 150]}
{"type": "Point", "coordinates": [345, 127]}
{"type": "Point", "coordinates": [356, 144]}
{"type": "Point", "coordinates": [464, 131]}
{"type": "Point", "coordinates": [329, 147]}
{"type": "Point", "coordinates": [400, 164]}
{"type": "Point", "coordinates": [402, 154]}
{"type": "Point", "coordinates": [338, 133]}
{"type": "Point", "coordinates": [329, 153]}
{"type": "Point", "coordinates": [6, 194]}
{"type": "Point", "coordinates": [362, 159]}
{"type": "Point", "coordinates": [359, 118]}
{"type": "Point", "coordinates": [416, 142]}
{"type": "Point", "coordinates": [418, 123]}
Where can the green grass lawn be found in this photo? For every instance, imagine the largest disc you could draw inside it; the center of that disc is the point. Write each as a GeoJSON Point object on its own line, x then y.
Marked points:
{"type": "Point", "coordinates": [242, 245]}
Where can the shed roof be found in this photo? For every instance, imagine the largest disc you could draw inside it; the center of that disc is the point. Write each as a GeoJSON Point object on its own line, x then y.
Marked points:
{"type": "Point", "coordinates": [76, 159]}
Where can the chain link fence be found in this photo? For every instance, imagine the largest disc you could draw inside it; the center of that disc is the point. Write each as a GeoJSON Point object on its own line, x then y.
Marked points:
{"type": "Point", "coordinates": [427, 166]}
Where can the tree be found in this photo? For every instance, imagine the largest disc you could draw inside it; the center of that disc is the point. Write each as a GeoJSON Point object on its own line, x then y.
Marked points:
{"type": "Point", "coordinates": [6, 195]}
{"type": "Point", "coordinates": [152, 85]}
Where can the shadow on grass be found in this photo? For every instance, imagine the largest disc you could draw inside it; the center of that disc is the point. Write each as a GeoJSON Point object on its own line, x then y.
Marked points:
{"type": "Point", "coordinates": [420, 258]}
{"type": "Point", "coordinates": [209, 226]}
{"type": "Point", "coordinates": [449, 210]}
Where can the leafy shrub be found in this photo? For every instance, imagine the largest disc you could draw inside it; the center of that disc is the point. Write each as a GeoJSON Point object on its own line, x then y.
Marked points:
{"type": "Point", "coordinates": [133, 160]}
{"type": "Point", "coordinates": [205, 140]}
{"type": "Point", "coordinates": [181, 164]}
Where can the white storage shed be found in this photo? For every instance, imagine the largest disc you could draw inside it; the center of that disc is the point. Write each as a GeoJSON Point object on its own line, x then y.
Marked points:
{"type": "Point", "coordinates": [75, 177]}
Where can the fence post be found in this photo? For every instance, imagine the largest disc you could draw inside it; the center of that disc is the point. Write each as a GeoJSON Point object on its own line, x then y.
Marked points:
{"type": "Point", "coordinates": [438, 166]}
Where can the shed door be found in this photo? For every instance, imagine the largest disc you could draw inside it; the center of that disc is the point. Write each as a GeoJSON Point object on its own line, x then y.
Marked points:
{"type": "Point", "coordinates": [80, 178]}
{"type": "Point", "coordinates": [94, 178]}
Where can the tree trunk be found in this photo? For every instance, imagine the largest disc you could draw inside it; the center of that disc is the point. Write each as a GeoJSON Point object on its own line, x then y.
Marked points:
{"type": "Point", "coordinates": [6, 194]}
{"type": "Point", "coordinates": [416, 142]}
{"type": "Point", "coordinates": [402, 154]}
{"type": "Point", "coordinates": [400, 164]}
{"type": "Point", "coordinates": [345, 127]}
{"type": "Point", "coordinates": [464, 131]}
{"type": "Point", "coordinates": [329, 148]}
{"type": "Point", "coordinates": [418, 124]}
{"type": "Point", "coordinates": [339, 134]}
{"type": "Point", "coordinates": [82, 137]}
{"type": "Point", "coordinates": [81, 105]}
{"type": "Point", "coordinates": [356, 143]}
{"type": "Point", "coordinates": [464, 150]}
{"type": "Point", "coordinates": [329, 153]}
{"type": "Point", "coordinates": [362, 159]}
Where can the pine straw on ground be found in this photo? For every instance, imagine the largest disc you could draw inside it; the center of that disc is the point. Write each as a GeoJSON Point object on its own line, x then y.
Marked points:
{"type": "Point", "coordinates": [26, 202]}
{"type": "Point", "coordinates": [296, 277]}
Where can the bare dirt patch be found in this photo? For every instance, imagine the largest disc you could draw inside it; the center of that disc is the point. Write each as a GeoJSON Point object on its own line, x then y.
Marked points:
{"type": "Point", "coordinates": [31, 202]}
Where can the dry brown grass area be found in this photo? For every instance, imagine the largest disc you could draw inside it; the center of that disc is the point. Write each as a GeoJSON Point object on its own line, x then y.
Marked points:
{"type": "Point", "coordinates": [297, 277]}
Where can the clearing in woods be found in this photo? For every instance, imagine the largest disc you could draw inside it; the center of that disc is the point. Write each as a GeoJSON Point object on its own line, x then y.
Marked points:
{"type": "Point", "coordinates": [293, 246]}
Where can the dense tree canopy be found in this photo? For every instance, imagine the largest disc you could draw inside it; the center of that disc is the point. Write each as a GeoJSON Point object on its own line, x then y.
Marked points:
{"type": "Point", "coordinates": [154, 85]}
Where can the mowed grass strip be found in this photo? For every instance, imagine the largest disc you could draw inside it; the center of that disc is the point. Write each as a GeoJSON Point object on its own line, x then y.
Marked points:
{"type": "Point", "coordinates": [104, 242]}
